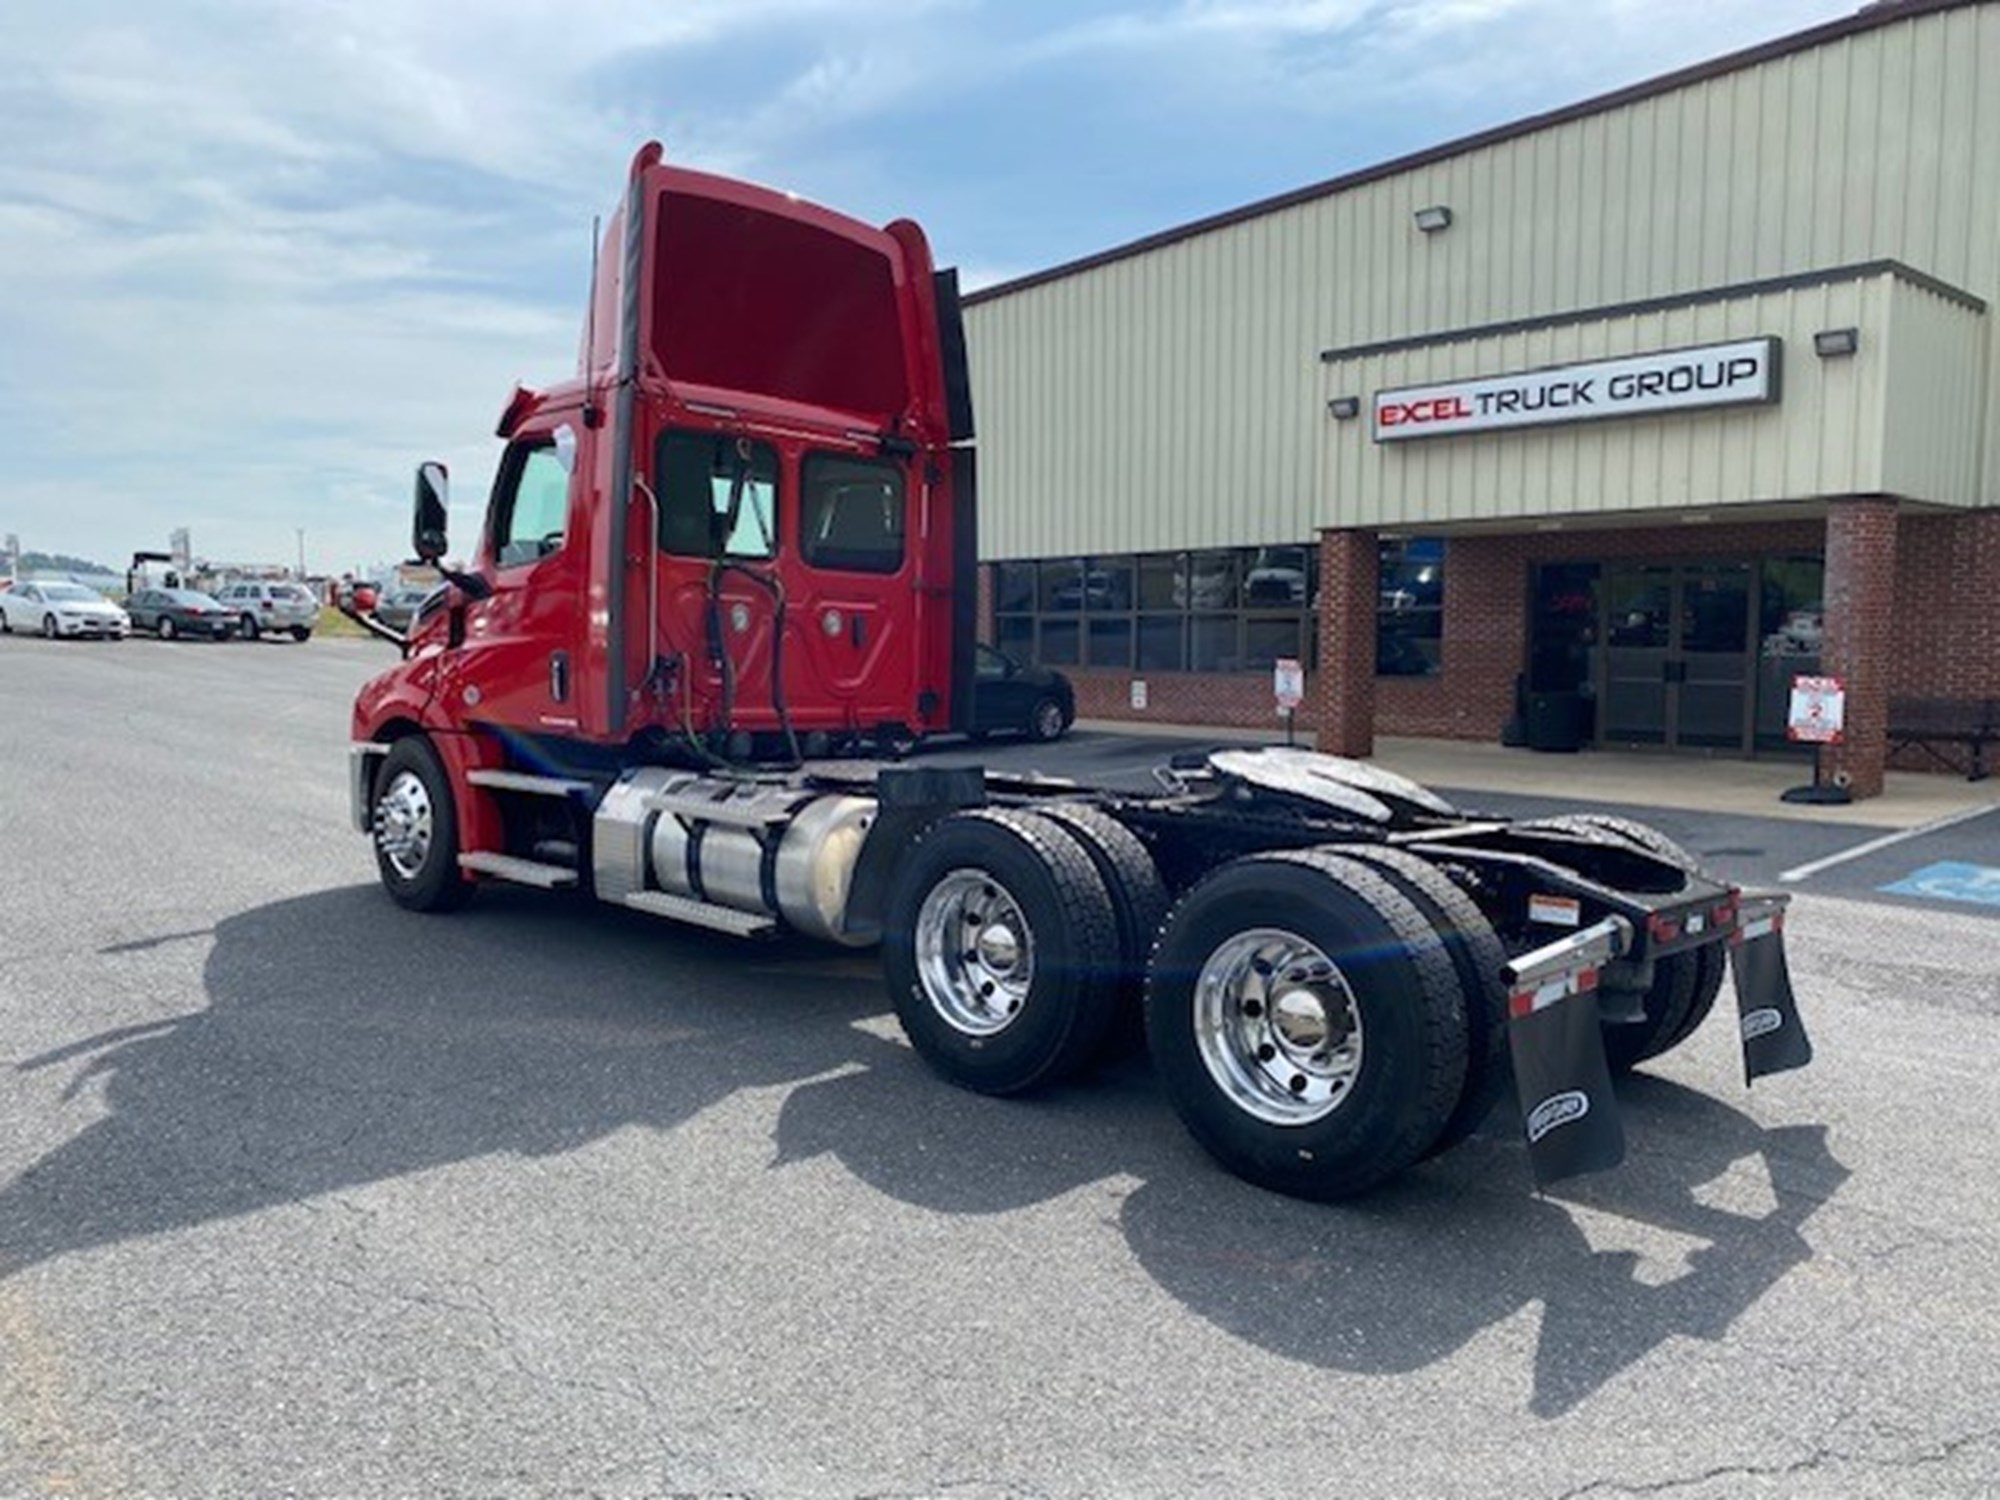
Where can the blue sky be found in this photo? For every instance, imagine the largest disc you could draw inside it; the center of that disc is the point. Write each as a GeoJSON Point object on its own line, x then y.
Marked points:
{"type": "Point", "coordinates": [261, 256]}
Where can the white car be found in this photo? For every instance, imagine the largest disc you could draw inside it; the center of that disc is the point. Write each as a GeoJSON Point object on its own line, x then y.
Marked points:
{"type": "Point", "coordinates": [60, 609]}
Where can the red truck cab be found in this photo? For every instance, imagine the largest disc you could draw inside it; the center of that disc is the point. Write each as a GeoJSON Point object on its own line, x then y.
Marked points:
{"type": "Point", "coordinates": [742, 527]}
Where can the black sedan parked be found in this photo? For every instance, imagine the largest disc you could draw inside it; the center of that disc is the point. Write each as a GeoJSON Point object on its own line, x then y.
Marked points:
{"type": "Point", "coordinates": [172, 612]}
{"type": "Point", "coordinates": [1010, 696]}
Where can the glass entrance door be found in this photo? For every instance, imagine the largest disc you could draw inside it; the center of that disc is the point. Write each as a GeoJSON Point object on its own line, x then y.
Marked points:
{"type": "Point", "coordinates": [1708, 689]}
{"type": "Point", "coordinates": [1638, 636]}
{"type": "Point", "coordinates": [1676, 656]}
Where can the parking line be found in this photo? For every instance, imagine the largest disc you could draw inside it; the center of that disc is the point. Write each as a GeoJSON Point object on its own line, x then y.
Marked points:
{"type": "Point", "coordinates": [1801, 872]}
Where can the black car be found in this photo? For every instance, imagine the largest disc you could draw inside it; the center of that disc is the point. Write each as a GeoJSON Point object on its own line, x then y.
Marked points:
{"type": "Point", "coordinates": [172, 612]}
{"type": "Point", "coordinates": [1010, 696]}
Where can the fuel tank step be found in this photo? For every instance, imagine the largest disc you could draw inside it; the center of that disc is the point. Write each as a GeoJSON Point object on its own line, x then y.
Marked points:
{"type": "Point", "coordinates": [523, 781]}
{"type": "Point", "coordinates": [702, 914]}
{"type": "Point", "coordinates": [520, 871]}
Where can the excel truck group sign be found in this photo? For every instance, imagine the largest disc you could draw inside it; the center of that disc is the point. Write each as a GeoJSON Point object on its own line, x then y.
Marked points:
{"type": "Point", "coordinates": [1744, 373]}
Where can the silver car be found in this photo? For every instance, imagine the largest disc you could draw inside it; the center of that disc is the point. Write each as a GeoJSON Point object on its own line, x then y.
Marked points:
{"type": "Point", "coordinates": [271, 609]}
{"type": "Point", "coordinates": [60, 609]}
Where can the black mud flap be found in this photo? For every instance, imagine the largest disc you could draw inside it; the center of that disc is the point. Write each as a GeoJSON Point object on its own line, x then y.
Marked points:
{"type": "Point", "coordinates": [1774, 1038]}
{"type": "Point", "coordinates": [1564, 1083]}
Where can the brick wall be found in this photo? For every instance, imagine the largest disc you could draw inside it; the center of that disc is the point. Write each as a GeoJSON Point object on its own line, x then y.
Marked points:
{"type": "Point", "coordinates": [1945, 638]}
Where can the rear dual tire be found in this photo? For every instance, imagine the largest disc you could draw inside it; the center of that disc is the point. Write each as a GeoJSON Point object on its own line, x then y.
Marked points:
{"type": "Point", "coordinates": [1308, 1023]}
{"type": "Point", "coordinates": [995, 939]}
{"type": "Point", "coordinates": [1684, 986]}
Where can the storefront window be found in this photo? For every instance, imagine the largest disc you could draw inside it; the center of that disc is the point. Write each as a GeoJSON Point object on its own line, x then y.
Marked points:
{"type": "Point", "coordinates": [1014, 588]}
{"type": "Point", "coordinates": [1059, 642]}
{"type": "Point", "coordinates": [1791, 622]}
{"type": "Point", "coordinates": [1222, 610]}
{"type": "Point", "coordinates": [1409, 618]}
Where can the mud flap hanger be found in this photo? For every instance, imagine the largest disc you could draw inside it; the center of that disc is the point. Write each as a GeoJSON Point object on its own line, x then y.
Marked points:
{"type": "Point", "coordinates": [1560, 1075]}
{"type": "Point", "coordinates": [1564, 1084]}
{"type": "Point", "coordinates": [1774, 1038]}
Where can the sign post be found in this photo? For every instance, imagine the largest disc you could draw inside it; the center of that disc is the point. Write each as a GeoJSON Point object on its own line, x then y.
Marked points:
{"type": "Point", "coordinates": [1817, 716]}
{"type": "Point", "coordinates": [1288, 683]}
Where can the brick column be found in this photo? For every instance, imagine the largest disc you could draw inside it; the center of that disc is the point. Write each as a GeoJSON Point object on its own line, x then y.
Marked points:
{"type": "Point", "coordinates": [1860, 630]}
{"type": "Point", "coordinates": [985, 616]}
{"type": "Point", "coordinates": [1343, 690]}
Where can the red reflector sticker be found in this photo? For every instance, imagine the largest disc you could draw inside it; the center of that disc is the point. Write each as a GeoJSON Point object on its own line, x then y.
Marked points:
{"type": "Point", "coordinates": [1527, 1002]}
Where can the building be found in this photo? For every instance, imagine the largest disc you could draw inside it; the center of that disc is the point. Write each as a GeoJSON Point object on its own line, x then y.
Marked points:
{"type": "Point", "coordinates": [1598, 427]}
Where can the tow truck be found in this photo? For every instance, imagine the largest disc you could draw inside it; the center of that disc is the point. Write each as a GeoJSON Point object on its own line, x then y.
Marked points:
{"type": "Point", "coordinates": [727, 575]}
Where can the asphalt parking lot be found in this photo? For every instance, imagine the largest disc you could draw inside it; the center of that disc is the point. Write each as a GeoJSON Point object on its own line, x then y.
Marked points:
{"type": "Point", "coordinates": [303, 1194]}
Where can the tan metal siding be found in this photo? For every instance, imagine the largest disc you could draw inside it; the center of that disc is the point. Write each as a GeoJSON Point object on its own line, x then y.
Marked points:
{"type": "Point", "coordinates": [1824, 437]}
{"type": "Point", "coordinates": [1170, 399]}
{"type": "Point", "coordinates": [1937, 368]}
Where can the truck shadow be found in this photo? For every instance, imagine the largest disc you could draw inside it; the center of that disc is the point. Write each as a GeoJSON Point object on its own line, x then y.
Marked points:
{"type": "Point", "coordinates": [1704, 1218]}
{"type": "Point", "coordinates": [347, 1043]}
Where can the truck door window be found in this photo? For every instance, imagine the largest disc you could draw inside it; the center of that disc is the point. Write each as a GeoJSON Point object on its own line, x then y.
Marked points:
{"type": "Point", "coordinates": [851, 514]}
{"type": "Point", "coordinates": [533, 507]}
{"type": "Point", "coordinates": [718, 495]}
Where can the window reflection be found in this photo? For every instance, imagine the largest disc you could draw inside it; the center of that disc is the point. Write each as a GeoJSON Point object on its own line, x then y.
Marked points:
{"type": "Point", "coordinates": [1215, 610]}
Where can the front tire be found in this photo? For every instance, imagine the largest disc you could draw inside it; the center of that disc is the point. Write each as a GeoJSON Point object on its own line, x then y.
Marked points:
{"type": "Point", "coordinates": [1046, 720]}
{"type": "Point", "coordinates": [50, 629]}
{"type": "Point", "coordinates": [1306, 1023]}
{"type": "Point", "coordinates": [416, 830]}
{"type": "Point", "coordinates": [993, 939]}
{"type": "Point", "coordinates": [166, 628]}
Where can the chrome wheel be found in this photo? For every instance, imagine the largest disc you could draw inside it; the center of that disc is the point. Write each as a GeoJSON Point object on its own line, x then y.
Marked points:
{"type": "Point", "coordinates": [1277, 1027]}
{"type": "Point", "coordinates": [975, 956]}
{"type": "Point", "coordinates": [1046, 723]}
{"type": "Point", "coordinates": [403, 824]}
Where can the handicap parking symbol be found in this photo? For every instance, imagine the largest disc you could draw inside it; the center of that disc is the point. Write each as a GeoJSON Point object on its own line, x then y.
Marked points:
{"type": "Point", "coordinates": [1951, 881]}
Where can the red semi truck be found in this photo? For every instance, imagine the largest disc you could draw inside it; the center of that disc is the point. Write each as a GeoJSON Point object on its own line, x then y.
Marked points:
{"type": "Point", "coordinates": [732, 559]}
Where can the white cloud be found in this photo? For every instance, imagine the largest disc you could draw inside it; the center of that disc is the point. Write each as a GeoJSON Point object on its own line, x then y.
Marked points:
{"type": "Point", "coordinates": [262, 255]}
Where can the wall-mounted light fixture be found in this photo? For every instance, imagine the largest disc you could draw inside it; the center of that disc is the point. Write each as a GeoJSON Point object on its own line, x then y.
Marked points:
{"type": "Point", "coordinates": [1345, 408]}
{"type": "Point", "coordinates": [1431, 220]}
{"type": "Point", "coordinates": [1835, 343]}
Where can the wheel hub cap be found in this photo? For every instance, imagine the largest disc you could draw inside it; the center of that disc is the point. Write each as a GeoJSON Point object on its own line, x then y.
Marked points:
{"type": "Point", "coordinates": [975, 954]}
{"type": "Point", "coordinates": [403, 824]}
{"type": "Point", "coordinates": [1277, 1027]}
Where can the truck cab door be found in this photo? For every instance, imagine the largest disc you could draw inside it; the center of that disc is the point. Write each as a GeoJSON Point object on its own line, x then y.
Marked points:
{"type": "Point", "coordinates": [855, 587]}
{"type": "Point", "coordinates": [517, 667]}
